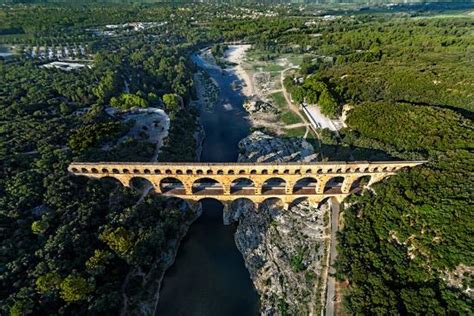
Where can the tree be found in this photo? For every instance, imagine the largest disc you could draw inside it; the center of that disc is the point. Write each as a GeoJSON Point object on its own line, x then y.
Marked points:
{"type": "Point", "coordinates": [171, 102]}
{"type": "Point", "coordinates": [75, 288]}
{"type": "Point", "coordinates": [39, 227]}
{"type": "Point", "coordinates": [119, 239]}
{"type": "Point", "coordinates": [328, 104]}
{"type": "Point", "coordinates": [48, 282]}
{"type": "Point", "coordinates": [108, 86]}
{"type": "Point", "coordinates": [127, 100]}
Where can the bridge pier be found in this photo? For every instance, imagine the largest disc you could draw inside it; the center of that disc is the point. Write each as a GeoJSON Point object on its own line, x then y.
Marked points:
{"type": "Point", "coordinates": [188, 188]}
{"type": "Point", "coordinates": [376, 178]}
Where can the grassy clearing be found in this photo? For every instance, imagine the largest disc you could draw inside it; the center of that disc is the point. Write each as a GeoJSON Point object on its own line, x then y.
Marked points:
{"type": "Point", "coordinates": [286, 116]}
{"type": "Point", "coordinates": [272, 67]}
{"type": "Point", "coordinates": [295, 132]}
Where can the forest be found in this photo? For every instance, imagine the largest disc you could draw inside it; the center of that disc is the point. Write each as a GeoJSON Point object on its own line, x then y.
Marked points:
{"type": "Point", "coordinates": [77, 246]}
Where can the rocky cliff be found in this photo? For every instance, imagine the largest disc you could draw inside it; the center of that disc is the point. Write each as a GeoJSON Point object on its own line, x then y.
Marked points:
{"type": "Point", "coordinates": [260, 147]}
{"type": "Point", "coordinates": [284, 250]}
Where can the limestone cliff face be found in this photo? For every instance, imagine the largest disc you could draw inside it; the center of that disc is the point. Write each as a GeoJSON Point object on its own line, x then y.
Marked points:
{"type": "Point", "coordinates": [284, 250]}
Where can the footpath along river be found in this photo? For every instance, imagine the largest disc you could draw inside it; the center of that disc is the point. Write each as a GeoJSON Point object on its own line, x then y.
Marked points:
{"type": "Point", "coordinates": [209, 275]}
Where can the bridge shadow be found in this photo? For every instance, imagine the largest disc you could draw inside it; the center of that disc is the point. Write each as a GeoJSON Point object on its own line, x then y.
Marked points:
{"type": "Point", "coordinates": [339, 152]}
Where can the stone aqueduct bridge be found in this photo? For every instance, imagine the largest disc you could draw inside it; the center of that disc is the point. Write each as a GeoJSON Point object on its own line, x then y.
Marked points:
{"type": "Point", "coordinates": [254, 181]}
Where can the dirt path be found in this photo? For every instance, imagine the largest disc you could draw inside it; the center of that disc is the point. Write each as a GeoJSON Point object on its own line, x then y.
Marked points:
{"type": "Point", "coordinates": [290, 104]}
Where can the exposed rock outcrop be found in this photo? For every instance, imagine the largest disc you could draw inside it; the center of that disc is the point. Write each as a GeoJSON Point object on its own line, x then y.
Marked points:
{"type": "Point", "coordinates": [260, 147]}
{"type": "Point", "coordinates": [284, 251]}
{"type": "Point", "coordinates": [257, 106]}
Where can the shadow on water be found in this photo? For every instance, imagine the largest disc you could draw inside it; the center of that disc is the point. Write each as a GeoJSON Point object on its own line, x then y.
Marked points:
{"type": "Point", "coordinates": [209, 277]}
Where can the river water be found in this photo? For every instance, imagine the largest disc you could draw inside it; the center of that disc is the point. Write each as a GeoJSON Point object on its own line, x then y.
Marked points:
{"type": "Point", "coordinates": [209, 276]}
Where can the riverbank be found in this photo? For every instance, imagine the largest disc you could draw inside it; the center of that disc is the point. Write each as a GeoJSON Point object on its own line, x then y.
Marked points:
{"type": "Point", "coordinates": [235, 55]}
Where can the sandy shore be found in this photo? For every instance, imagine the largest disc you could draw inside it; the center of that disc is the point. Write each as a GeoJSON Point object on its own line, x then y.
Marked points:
{"type": "Point", "coordinates": [235, 54]}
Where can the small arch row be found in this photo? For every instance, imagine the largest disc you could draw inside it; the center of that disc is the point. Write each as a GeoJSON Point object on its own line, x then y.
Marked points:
{"type": "Point", "coordinates": [232, 172]}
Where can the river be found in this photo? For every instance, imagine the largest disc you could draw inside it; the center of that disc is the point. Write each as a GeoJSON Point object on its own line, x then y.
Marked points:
{"type": "Point", "coordinates": [209, 276]}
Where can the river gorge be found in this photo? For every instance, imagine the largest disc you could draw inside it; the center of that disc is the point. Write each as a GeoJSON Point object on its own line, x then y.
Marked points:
{"type": "Point", "coordinates": [209, 276]}
{"type": "Point", "coordinates": [268, 261]}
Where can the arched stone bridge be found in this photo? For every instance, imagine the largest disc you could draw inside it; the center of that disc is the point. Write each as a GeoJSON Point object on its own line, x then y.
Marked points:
{"type": "Point", "coordinates": [257, 182]}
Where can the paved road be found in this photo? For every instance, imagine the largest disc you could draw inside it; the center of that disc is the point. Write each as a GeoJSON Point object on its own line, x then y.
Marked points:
{"type": "Point", "coordinates": [331, 285]}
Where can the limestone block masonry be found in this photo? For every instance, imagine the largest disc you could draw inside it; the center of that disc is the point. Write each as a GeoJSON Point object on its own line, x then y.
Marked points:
{"type": "Point", "coordinates": [223, 181]}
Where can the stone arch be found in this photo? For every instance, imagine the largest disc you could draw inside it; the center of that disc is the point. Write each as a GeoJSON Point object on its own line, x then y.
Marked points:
{"type": "Point", "coordinates": [157, 171]}
{"type": "Point", "coordinates": [241, 171]}
{"type": "Point", "coordinates": [146, 171]}
{"type": "Point", "coordinates": [333, 185]}
{"type": "Point", "coordinates": [273, 200]}
{"type": "Point", "coordinates": [113, 181]}
{"type": "Point", "coordinates": [360, 183]}
{"type": "Point", "coordinates": [140, 183]}
{"type": "Point", "coordinates": [274, 186]}
{"type": "Point", "coordinates": [306, 185]}
{"type": "Point", "coordinates": [214, 209]}
{"type": "Point", "coordinates": [115, 170]}
{"type": "Point", "coordinates": [75, 170]}
{"type": "Point", "coordinates": [84, 170]}
{"type": "Point", "coordinates": [231, 172]}
{"type": "Point", "coordinates": [207, 186]}
{"type": "Point", "coordinates": [105, 170]}
{"type": "Point", "coordinates": [242, 186]}
{"type": "Point", "coordinates": [241, 200]}
{"type": "Point", "coordinates": [94, 170]}
{"type": "Point", "coordinates": [209, 172]}
{"type": "Point", "coordinates": [172, 186]}
{"type": "Point", "coordinates": [179, 203]}
{"type": "Point", "coordinates": [300, 200]}
{"type": "Point", "coordinates": [326, 200]}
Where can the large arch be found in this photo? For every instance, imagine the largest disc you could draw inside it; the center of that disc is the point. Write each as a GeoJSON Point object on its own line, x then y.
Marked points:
{"type": "Point", "coordinates": [305, 185]}
{"type": "Point", "coordinates": [242, 186]}
{"type": "Point", "coordinates": [172, 185]}
{"type": "Point", "coordinates": [274, 185]}
{"type": "Point", "coordinates": [272, 201]}
{"type": "Point", "coordinates": [112, 181]}
{"type": "Point", "coordinates": [213, 210]}
{"type": "Point", "coordinates": [207, 186]}
{"type": "Point", "coordinates": [140, 184]}
{"type": "Point", "coordinates": [334, 185]}
{"type": "Point", "coordinates": [359, 183]}
{"type": "Point", "coordinates": [326, 200]}
{"type": "Point", "coordinates": [298, 201]}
